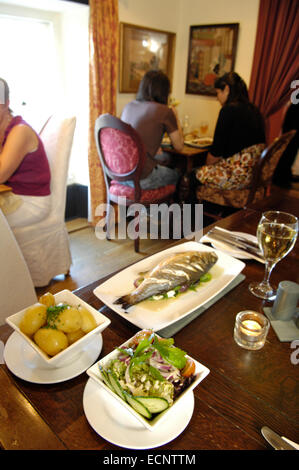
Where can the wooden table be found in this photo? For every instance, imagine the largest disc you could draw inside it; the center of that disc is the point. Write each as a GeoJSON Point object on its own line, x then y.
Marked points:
{"type": "Point", "coordinates": [186, 160]}
{"type": "Point", "coordinates": [244, 391]}
{"type": "Point", "coordinates": [188, 155]}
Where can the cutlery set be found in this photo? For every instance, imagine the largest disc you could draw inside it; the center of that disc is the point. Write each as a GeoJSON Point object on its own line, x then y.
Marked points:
{"type": "Point", "coordinates": [236, 242]}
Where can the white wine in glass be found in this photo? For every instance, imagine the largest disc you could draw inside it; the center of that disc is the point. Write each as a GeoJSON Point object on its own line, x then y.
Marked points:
{"type": "Point", "coordinates": [276, 234]}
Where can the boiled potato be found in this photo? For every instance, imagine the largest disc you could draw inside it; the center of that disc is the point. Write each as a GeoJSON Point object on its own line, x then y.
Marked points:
{"type": "Point", "coordinates": [68, 320]}
{"type": "Point", "coordinates": [34, 318]}
{"type": "Point", "coordinates": [88, 321]}
{"type": "Point", "coordinates": [51, 341]}
{"type": "Point", "coordinates": [48, 299]}
{"type": "Point", "coordinates": [74, 336]}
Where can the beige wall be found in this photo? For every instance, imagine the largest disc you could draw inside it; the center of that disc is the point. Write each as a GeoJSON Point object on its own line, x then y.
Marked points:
{"type": "Point", "coordinates": [157, 14]}
{"type": "Point", "coordinates": [178, 16]}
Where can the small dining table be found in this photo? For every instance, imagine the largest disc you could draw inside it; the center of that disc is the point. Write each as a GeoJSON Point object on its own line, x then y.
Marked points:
{"type": "Point", "coordinates": [244, 391]}
{"type": "Point", "coordinates": [188, 155]}
{"type": "Point", "coordinates": [186, 159]}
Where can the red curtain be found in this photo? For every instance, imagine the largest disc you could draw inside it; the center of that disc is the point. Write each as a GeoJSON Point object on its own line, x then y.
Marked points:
{"type": "Point", "coordinates": [275, 61]}
{"type": "Point", "coordinates": [103, 68]}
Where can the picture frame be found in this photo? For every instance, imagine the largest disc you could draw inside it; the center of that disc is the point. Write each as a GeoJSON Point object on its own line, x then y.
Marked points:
{"type": "Point", "coordinates": [143, 49]}
{"type": "Point", "coordinates": [212, 52]}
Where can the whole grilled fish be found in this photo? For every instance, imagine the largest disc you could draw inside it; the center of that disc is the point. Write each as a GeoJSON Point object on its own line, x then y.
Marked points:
{"type": "Point", "coordinates": [178, 269]}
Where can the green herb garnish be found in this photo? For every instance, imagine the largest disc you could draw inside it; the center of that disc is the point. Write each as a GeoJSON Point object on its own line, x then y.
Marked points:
{"type": "Point", "coordinates": [155, 373]}
{"type": "Point", "coordinates": [53, 313]}
{"type": "Point", "coordinates": [206, 277]}
{"type": "Point", "coordinates": [172, 354]}
{"type": "Point", "coordinates": [144, 343]}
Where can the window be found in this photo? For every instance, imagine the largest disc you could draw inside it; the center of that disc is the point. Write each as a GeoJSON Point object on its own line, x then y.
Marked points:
{"type": "Point", "coordinates": [29, 65]}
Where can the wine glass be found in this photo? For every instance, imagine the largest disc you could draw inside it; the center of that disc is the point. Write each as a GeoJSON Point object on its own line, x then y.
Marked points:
{"type": "Point", "coordinates": [276, 234]}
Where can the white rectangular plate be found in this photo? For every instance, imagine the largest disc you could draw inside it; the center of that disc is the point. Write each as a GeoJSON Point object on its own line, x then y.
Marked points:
{"type": "Point", "coordinates": [159, 314]}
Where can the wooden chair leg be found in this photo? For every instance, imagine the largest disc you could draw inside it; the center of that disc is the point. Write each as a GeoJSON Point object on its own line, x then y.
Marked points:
{"type": "Point", "coordinates": [268, 190]}
{"type": "Point", "coordinates": [136, 241]}
{"type": "Point", "coordinates": [136, 244]}
{"type": "Point", "coordinates": [108, 215]}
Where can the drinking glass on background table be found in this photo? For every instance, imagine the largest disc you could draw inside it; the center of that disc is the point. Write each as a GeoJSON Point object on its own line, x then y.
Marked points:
{"type": "Point", "coordinates": [276, 233]}
{"type": "Point", "coordinates": [186, 125]}
{"type": "Point", "coordinates": [203, 128]}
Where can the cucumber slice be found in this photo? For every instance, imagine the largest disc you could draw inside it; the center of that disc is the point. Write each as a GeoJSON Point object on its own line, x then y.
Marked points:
{"type": "Point", "coordinates": [137, 406]}
{"type": "Point", "coordinates": [116, 385]}
{"type": "Point", "coordinates": [105, 377]}
{"type": "Point", "coordinates": [153, 404]}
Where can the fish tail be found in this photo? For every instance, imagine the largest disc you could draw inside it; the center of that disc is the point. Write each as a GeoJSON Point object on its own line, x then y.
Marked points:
{"type": "Point", "coordinates": [125, 301]}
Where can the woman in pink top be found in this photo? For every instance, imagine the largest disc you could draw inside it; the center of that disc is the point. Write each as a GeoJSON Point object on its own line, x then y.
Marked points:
{"type": "Point", "coordinates": [23, 166]}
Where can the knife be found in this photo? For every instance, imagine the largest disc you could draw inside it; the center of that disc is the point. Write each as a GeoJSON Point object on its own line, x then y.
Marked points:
{"type": "Point", "coordinates": [234, 236]}
{"type": "Point", "coordinates": [275, 440]}
{"type": "Point", "coordinates": [251, 251]}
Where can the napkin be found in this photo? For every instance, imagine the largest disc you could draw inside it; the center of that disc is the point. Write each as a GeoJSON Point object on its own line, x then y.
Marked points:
{"type": "Point", "coordinates": [172, 329]}
{"type": "Point", "coordinates": [286, 330]}
{"type": "Point", "coordinates": [228, 248]}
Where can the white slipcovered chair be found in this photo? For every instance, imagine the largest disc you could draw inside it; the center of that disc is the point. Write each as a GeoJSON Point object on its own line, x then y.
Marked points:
{"type": "Point", "coordinates": [16, 287]}
{"type": "Point", "coordinates": [45, 245]}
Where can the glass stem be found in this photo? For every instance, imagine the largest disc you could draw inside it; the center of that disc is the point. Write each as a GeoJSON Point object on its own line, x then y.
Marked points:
{"type": "Point", "coordinates": [268, 270]}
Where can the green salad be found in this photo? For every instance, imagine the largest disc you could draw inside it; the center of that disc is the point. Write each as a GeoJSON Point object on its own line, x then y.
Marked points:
{"type": "Point", "coordinates": [149, 374]}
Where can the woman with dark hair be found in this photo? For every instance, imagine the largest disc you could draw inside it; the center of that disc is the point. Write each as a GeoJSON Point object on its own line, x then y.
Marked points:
{"type": "Point", "coordinates": [155, 86]}
{"type": "Point", "coordinates": [239, 136]}
{"type": "Point", "coordinates": [235, 87]}
{"type": "Point", "coordinates": [150, 115]}
{"type": "Point", "coordinates": [240, 123]}
{"type": "Point", "coordinates": [23, 166]}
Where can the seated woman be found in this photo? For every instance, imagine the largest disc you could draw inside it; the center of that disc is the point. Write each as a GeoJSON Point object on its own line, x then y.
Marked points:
{"type": "Point", "coordinates": [239, 137]}
{"type": "Point", "coordinates": [151, 117]}
{"type": "Point", "coordinates": [23, 166]}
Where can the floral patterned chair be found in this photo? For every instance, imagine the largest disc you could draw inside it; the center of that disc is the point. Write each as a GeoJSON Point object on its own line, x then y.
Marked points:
{"type": "Point", "coordinates": [249, 181]}
{"type": "Point", "coordinates": [122, 155]}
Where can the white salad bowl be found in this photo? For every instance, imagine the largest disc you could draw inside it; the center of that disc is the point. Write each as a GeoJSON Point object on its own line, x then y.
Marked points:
{"type": "Point", "coordinates": [67, 355]}
{"type": "Point", "coordinates": [200, 373]}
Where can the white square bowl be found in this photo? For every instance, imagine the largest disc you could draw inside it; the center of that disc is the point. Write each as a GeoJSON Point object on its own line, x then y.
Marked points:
{"type": "Point", "coordinates": [67, 355]}
{"type": "Point", "coordinates": [200, 373]}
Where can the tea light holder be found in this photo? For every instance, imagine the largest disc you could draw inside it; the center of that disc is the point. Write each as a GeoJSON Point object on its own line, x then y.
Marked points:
{"type": "Point", "coordinates": [251, 329]}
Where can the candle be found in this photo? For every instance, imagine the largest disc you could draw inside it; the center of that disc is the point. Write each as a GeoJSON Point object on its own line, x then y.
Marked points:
{"type": "Point", "coordinates": [251, 329]}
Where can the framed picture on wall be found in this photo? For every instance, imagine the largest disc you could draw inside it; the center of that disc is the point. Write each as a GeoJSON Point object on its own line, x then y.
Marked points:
{"type": "Point", "coordinates": [212, 52]}
{"type": "Point", "coordinates": [143, 49]}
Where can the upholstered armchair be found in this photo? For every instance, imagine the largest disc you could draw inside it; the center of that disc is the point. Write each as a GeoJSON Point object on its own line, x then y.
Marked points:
{"type": "Point", "coordinates": [45, 245]}
{"type": "Point", "coordinates": [257, 182]}
{"type": "Point", "coordinates": [122, 156]}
